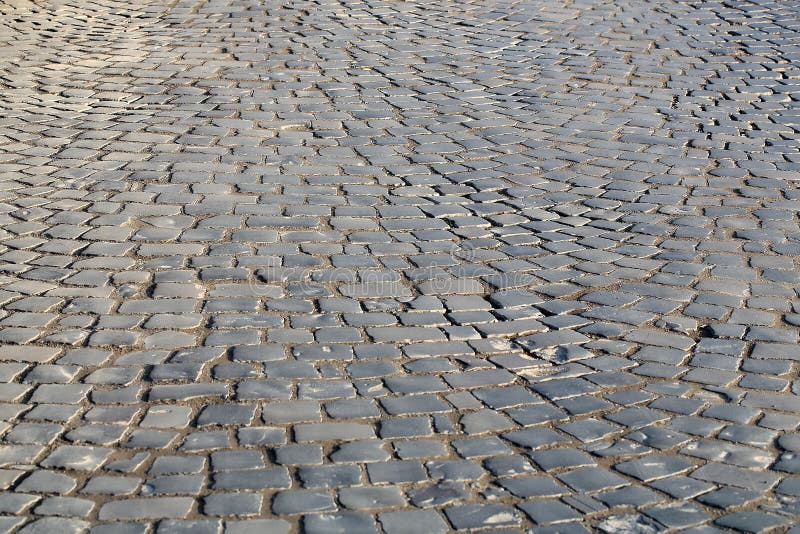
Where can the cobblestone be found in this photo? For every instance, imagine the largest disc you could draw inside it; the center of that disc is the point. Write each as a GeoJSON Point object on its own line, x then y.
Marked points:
{"type": "Point", "coordinates": [375, 266]}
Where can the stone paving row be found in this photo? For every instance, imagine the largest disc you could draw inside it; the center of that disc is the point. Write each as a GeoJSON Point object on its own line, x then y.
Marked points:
{"type": "Point", "coordinates": [396, 266]}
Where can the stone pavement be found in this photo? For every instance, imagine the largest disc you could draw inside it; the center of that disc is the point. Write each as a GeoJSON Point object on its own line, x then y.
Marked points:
{"type": "Point", "coordinates": [411, 267]}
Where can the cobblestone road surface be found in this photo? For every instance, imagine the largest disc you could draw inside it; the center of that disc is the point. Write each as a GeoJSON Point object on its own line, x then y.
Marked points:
{"type": "Point", "coordinates": [361, 266]}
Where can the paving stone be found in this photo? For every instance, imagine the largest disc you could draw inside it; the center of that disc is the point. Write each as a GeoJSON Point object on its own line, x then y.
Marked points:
{"type": "Point", "coordinates": [407, 522]}
{"type": "Point", "coordinates": [396, 472]}
{"type": "Point", "coordinates": [588, 430]}
{"type": "Point", "coordinates": [226, 414]}
{"type": "Point", "coordinates": [681, 487]}
{"type": "Point", "coordinates": [177, 464]}
{"type": "Point", "coordinates": [534, 438]}
{"type": "Point", "coordinates": [332, 431]}
{"type": "Point", "coordinates": [751, 521]}
{"type": "Point", "coordinates": [252, 479]}
{"type": "Point", "coordinates": [477, 516]}
{"type": "Point", "coordinates": [557, 458]}
{"type": "Point", "coordinates": [533, 486]}
{"type": "Point", "coordinates": [302, 501]}
{"type": "Point", "coordinates": [548, 511]}
{"type": "Point", "coordinates": [64, 506]}
{"type": "Point", "coordinates": [371, 498]}
{"type": "Point", "coordinates": [57, 524]}
{"type": "Point", "coordinates": [46, 482]}
{"type": "Point", "coordinates": [360, 451]}
{"type": "Point", "coordinates": [167, 416]}
{"type": "Point", "coordinates": [16, 503]}
{"type": "Point", "coordinates": [299, 454]}
{"type": "Point", "coordinates": [329, 476]}
{"type": "Point", "coordinates": [629, 496]}
{"type": "Point", "coordinates": [252, 526]}
{"type": "Point", "coordinates": [152, 508]}
{"type": "Point", "coordinates": [591, 479]}
{"type": "Point", "coordinates": [101, 485]}
{"type": "Point", "coordinates": [438, 494]}
{"type": "Point", "coordinates": [410, 449]}
{"type": "Point", "coordinates": [654, 466]}
{"type": "Point", "coordinates": [633, 522]}
{"type": "Point", "coordinates": [736, 476]}
{"type": "Point", "coordinates": [77, 457]}
{"type": "Point", "coordinates": [677, 516]}
{"type": "Point", "coordinates": [228, 460]}
{"type": "Point", "coordinates": [342, 522]}
{"type": "Point", "coordinates": [726, 497]}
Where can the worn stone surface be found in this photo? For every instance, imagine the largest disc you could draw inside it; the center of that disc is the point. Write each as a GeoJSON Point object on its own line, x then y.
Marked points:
{"type": "Point", "coordinates": [372, 266]}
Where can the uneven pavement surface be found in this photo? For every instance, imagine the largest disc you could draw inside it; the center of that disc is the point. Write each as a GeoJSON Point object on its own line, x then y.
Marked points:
{"type": "Point", "coordinates": [399, 266]}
